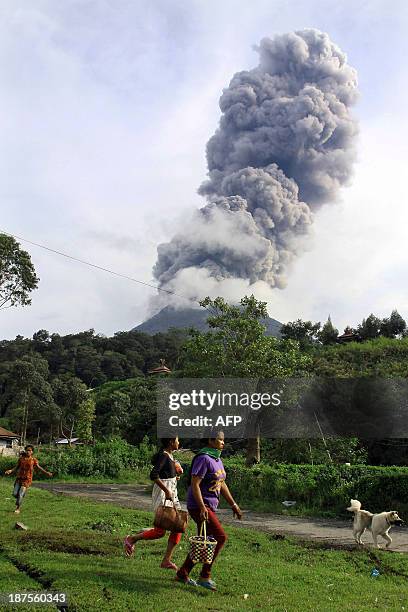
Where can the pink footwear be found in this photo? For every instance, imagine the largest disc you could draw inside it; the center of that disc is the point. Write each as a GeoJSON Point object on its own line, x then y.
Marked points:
{"type": "Point", "coordinates": [128, 547]}
{"type": "Point", "coordinates": [169, 565]}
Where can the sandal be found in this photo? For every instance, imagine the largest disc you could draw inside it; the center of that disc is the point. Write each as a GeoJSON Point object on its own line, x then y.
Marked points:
{"type": "Point", "coordinates": [188, 581]}
{"type": "Point", "coordinates": [207, 583]}
{"type": "Point", "coordinates": [169, 565]}
{"type": "Point", "coordinates": [128, 547]}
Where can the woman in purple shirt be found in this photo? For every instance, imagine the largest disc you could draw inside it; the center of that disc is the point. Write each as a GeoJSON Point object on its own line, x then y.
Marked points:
{"type": "Point", "coordinates": [203, 496]}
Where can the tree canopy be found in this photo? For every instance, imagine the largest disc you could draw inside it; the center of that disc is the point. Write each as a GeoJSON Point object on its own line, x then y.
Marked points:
{"type": "Point", "coordinates": [236, 345]}
{"type": "Point", "coordinates": [17, 274]}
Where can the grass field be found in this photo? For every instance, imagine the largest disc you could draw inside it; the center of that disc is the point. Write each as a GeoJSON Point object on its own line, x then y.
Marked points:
{"type": "Point", "coordinates": [76, 546]}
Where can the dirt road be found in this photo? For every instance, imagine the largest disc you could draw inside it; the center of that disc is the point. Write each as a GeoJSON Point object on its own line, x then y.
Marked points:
{"type": "Point", "coordinates": [330, 531]}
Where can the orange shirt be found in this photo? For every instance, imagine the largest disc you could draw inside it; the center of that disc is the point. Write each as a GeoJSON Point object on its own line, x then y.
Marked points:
{"type": "Point", "coordinates": [25, 468]}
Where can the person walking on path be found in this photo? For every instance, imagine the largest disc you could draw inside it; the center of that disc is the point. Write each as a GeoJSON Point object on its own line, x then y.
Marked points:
{"type": "Point", "coordinates": [165, 475]}
{"type": "Point", "coordinates": [25, 468]}
{"type": "Point", "coordinates": [207, 483]}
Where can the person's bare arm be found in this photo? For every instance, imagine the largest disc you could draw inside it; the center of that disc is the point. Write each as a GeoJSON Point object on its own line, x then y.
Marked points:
{"type": "Point", "coordinates": [195, 487]}
{"type": "Point", "coordinates": [10, 471]}
{"type": "Point", "coordinates": [163, 487]}
{"type": "Point", "coordinates": [38, 466]}
{"type": "Point", "coordinates": [226, 493]}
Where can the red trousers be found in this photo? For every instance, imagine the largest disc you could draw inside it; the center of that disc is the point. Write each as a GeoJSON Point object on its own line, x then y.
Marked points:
{"type": "Point", "coordinates": [214, 528]}
{"type": "Point", "coordinates": [157, 532]}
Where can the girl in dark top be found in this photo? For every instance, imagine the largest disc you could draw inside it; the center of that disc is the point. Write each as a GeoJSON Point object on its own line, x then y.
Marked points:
{"type": "Point", "coordinates": [164, 474]}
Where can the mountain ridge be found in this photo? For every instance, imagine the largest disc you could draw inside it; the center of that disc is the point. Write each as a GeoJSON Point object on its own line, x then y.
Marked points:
{"type": "Point", "coordinates": [185, 318]}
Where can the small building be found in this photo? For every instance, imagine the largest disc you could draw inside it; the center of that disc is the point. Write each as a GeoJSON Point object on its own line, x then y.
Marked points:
{"type": "Point", "coordinates": [350, 335]}
{"type": "Point", "coordinates": [161, 369]}
{"type": "Point", "coordinates": [9, 442]}
{"type": "Point", "coordinates": [68, 442]}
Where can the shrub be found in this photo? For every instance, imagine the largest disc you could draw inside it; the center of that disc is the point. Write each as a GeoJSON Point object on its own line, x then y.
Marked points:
{"type": "Point", "coordinates": [316, 488]}
{"type": "Point", "coordinates": [103, 459]}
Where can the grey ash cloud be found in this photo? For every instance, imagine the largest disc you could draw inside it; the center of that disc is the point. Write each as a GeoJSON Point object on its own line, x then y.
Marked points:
{"type": "Point", "coordinates": [284, 146]}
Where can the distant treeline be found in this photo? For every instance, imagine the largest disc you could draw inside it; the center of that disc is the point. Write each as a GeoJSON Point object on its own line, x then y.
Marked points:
{"type": "Point", "coordinates": [45, 382]}
{"type": "Point", "coordinates": [94, 358]}
{"type": "Point", "coordinates": [96, 387]}
{"type": "Point", "coordinates": [308, 333]}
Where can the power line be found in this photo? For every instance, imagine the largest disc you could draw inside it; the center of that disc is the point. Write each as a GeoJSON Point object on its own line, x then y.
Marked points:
{"type": "Point", "coordinates": [87, 263]}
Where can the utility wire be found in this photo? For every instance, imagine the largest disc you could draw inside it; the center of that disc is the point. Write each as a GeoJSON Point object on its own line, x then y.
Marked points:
{"type": "Point", "coordinates": [87, 263]}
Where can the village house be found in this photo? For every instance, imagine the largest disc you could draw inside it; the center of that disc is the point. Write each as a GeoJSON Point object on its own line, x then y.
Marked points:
{"type": "Point", "coordinates": [9, 442]}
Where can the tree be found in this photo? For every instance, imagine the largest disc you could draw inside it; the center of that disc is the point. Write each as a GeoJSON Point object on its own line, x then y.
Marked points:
{"type": "Point", "coordinates": [76, 411]}
{"type": "Point", "coordinates": [113, 365]}
{"type": "Point", "coordinates": [369, 328]}
{"type": "Point", "coordinates": [118, 423]}
{"type": "Point", "coordinates": [328, 334]}
{"type": "Point", "coordinates": [237, 346]}
{"type": "Point", "coordinates": [304, 332]}
{"type": "Point", "coordinates": [17, 274]}
{"type": "Point", "coordinates": [393, 326]}
{"type": "Point", "coordinates": [30, 393]}
{"type": "Point", "coordinates": [88, 366]}
{"type": "Point", "coordinates": [85, 416]}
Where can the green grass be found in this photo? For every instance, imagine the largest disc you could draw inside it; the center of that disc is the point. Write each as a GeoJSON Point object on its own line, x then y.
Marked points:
{"type": "Point", "coordinates": [75, 546]}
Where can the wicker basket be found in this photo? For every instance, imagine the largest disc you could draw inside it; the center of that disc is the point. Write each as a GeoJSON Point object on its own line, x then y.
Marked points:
{"type": "Point", "coordinates": [202, 549]}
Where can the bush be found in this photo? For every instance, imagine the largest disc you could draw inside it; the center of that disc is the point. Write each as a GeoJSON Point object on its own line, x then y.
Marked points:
{"type": "Point", "coordinates": [102, 459]}
{"type": "Point", "coordinates": [321, 487]}
{"type": "Point", "coordinates": [317, 489]}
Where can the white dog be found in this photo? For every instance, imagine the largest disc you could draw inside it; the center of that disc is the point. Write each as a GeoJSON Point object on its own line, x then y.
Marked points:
{"type": "Point", "coordinates": [378, 524]}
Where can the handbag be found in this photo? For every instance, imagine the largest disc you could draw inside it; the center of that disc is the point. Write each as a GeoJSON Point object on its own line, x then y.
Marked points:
{"type": "Point", "coordinates": [170, 518]}
{"type": "Point", "coordinates": [202, 549]}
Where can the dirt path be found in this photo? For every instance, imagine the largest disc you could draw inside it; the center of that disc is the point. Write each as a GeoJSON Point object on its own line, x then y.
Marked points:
{"type": "Point", "coordinates": [330, 531]}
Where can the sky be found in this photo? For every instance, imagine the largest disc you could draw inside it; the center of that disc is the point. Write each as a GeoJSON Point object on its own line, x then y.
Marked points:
{"type": "Point", "coordinates": [105, 112]}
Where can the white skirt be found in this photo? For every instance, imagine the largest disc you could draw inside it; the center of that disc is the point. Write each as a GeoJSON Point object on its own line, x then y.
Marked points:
{"type": "Point", "coordinates": [158, 496]}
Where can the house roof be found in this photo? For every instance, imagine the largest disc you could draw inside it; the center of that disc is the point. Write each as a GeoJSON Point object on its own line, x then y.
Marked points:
{"type": "Point", "coordinates": [161, 369]}
{"type": "Point", "coordinates": [5, 433]}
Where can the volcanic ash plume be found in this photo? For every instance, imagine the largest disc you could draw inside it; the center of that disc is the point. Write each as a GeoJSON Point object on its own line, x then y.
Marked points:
{"type": "Point", "coordinates": [284, 146]}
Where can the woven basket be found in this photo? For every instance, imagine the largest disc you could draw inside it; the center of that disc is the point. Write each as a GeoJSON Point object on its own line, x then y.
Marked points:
{"type": "Point", "coordinates": [202, 548]}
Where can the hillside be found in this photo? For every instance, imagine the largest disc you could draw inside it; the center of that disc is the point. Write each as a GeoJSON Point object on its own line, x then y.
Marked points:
{"type": "Point", "coordinates": [184, 318]}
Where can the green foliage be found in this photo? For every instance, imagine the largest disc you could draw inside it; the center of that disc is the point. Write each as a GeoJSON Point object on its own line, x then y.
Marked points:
{"type": "Point", "coordinates": [370, 328]}
{"type": "Point", "coordinates": [388, 488]}
{"type": "Point", "coordinates": [304, 332]}
{"type": "Point", "coordinates": [101, 459]}
{"type": "Point", "coordinates": [298, 450]}
{"type": "Point", "coordinates": [237, 345]}
{"type": "Point", "coordinates": [393, 326]}
{"type": "Point", "coordinates": [328, 334]}
{"type": "Point", "coordinates": [17, 274]}
{"type": "Point", "coordinates": [127, 409]}
{"type": "Point", "coordinates": [84, 418]}
{"type": "Point", "coordinates": [71, 364]}
{"type": "Point", "coordinates": [28, 393]}
{"type": "Point", "coordinates": [323, 488]}
{"type": "Point", "coordinates": [382, 357]}
{"type": "Point", "coordinates": [75, 407]}
{"type": "Point", "coordinates": [107, 459]}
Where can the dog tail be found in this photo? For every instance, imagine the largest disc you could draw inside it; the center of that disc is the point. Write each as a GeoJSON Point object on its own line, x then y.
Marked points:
{"type": "Point", "coordinates": [355, 505]}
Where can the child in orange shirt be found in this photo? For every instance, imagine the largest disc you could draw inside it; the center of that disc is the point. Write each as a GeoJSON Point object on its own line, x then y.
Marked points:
{"type": "Point", "coordinates": [25, 468]}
